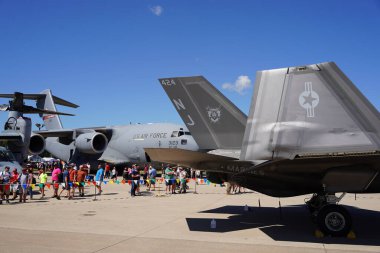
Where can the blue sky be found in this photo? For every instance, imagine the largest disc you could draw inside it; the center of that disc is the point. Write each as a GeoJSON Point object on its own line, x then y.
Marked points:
{"type": "Point", "coordinates": [107, 55]}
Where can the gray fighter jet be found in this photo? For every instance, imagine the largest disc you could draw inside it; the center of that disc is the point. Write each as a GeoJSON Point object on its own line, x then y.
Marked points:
{"type": "Point", "coordinates": [113, 144]}
{"type": "Point", "coordinates": [309, 130]}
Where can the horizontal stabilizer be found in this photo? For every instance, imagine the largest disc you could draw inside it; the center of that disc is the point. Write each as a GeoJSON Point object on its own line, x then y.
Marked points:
{"type": "Point", "coordinates": [50, 115]}
{"type": "Point", "coordinates": [56, 100]}
{"type": "Point", "coordinates": [25, 96]}
{"type": "Point", "coordinates": [32, 110]}
{"type": "Point", "coordinates": [63, 102]}
{"type": "Point", "coordinates": [17, 104]}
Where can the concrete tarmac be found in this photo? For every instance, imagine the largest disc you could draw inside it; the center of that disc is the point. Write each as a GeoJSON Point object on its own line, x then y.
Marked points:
{"type": "Point", "coordinates": [116, 222]}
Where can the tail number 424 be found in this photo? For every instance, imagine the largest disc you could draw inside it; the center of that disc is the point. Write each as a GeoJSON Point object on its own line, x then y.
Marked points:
{"type": "Point", "coordinates": [167, 82]}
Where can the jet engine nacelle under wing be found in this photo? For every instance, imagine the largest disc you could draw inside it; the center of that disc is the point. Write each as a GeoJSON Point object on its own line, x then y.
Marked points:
{"type": "Point", "coordinates": [91, 143]}
{"type": "Point", "coordinates": [36, 144]}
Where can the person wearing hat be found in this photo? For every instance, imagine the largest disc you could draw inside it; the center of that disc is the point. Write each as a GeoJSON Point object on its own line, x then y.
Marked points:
{"type": "Point", "coordinates": [14, 183]}
{"type": "Point", "coordinates": [6, 177]}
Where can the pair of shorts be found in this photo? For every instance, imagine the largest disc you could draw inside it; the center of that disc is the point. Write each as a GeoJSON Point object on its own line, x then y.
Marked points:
{"type": "Point", "coordinates": [168, 182]}
{"type": "Point", "coordinates": [6, 188]}
{"type": "Point", "coordinates": [81, 184]}
{"type": "Point", "coordinates": [41, 185]}
{"type": "Point", "coordinates": [99, 183]}
{"type": "Point", "coordinates": [65, 187]}
{"type": "Point", "coordinates": [14, 187]}
{"type": "Point", "coordinates": [23, 191]}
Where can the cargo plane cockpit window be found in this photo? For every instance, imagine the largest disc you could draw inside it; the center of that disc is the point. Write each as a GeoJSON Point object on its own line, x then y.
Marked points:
{"type": "Point", "coordinates": [180, 133]}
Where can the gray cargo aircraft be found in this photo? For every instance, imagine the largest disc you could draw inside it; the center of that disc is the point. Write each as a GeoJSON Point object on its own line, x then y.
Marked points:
{"type": "Point", "coordinates": [113, 144]}
{"type": "Point", "coordinates": [309, 130]}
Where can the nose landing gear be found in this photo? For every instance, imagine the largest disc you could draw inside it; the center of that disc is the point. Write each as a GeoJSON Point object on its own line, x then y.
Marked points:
{"type": "Point", "coordinates": [332, 219]}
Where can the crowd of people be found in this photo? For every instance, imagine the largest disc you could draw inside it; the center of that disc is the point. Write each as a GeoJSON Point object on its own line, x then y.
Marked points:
{"type": "Point", "coordinates": [149, 175]}
{"type": "Point", "coordinates": [13, 182]}
{"type": "Point", "coordinates": [67, 179]}
{"type": "Point", "coordinates": [21, 185]}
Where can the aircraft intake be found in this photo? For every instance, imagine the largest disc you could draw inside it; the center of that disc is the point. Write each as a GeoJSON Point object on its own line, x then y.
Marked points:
{"type": "Point", "coordinates": [36, 144]}
{"type": "Point", "coordinates": [91, 143]}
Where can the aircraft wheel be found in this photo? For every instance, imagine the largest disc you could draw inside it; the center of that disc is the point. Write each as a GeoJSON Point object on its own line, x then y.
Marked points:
{"type": "Point", "coordinates": [334, 220]}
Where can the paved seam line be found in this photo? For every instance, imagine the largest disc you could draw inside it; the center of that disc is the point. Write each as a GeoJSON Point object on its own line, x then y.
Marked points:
{"type": "Point", "coordinates": [147, 231]}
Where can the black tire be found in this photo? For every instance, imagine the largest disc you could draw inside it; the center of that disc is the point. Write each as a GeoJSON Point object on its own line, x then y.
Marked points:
{"type": "Point", "coordinates": [334, 220]}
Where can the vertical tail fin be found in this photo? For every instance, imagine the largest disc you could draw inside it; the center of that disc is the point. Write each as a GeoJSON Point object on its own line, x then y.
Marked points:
{"type": "Point", "coordinates": [213, 120]}
{"type": "Point", "coordinates": [52, 121]}
{"type": "Point", "coordinates": [310, 109]}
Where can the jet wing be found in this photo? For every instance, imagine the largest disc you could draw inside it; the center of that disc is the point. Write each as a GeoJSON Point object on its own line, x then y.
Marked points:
{"type": "Point", "coordinates": [183, 157]}
{"type": "Point", "coordinates": [103, 130]}
{"type": "Point", "coordinates": [56, 133]}
{"type": "Point", "coordinates": [70, 132]}
{"type": "Point", "coordinates": [113, 156]}
{"type": "Point", "coordinates": [113, 161]}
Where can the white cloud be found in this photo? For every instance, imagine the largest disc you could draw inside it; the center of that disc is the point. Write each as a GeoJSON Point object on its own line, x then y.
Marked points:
{"type": "Point", "coordinates": [157, 10]}
{"type": "Point", "coordinates": [241, 84]}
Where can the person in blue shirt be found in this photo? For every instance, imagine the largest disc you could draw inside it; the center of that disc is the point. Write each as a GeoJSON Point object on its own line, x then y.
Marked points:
{"type": "Point", "coordinates": [99, 178]}
{"type": "Point", "coordinates": [65, 182]}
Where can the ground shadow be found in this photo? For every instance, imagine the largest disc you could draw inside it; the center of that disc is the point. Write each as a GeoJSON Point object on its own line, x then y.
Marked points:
{"type": "Point", "coordinates": [290, 223]}
{"type": "Point", "coordinates": [146, 193]}
{"type": "Point", "coordinates": [97, 194]}
{"type": "Point", "coordinates": [110, 193]}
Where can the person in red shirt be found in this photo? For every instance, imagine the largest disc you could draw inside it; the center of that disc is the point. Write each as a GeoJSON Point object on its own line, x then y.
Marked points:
{"type": "Point", "coordinates": [107, 171]}
{"type": "Point", "coordinates": [14, 183]}
{"type": "Point", "coordinates": [81, 175]}
{"type": "Point", "coordinates": [73, 180]}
